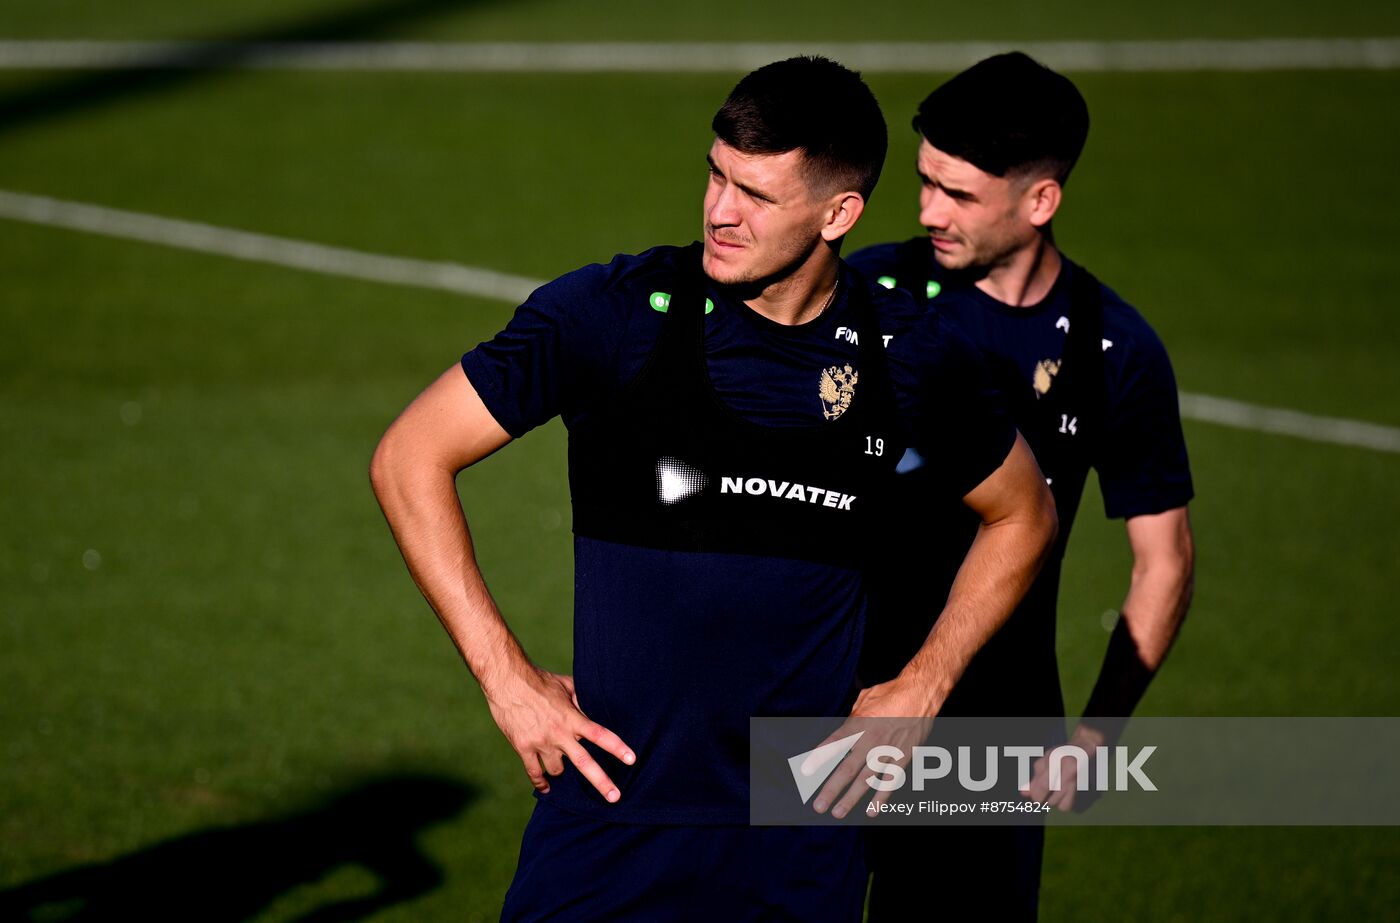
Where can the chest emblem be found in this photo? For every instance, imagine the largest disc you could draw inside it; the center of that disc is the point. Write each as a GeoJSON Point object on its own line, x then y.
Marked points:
{"type": "Point", "coordinates": [836, 389]}
{"type": "Point", "coordinates": [1044, 375]}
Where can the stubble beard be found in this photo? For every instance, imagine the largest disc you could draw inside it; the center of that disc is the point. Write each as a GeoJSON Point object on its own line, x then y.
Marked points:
{"type": "Point", "coordinates": [958, 260]}
{"type": "Point", "coordinates": [976, 260]}
{"type": "Point", "coordinates": [756, 277]}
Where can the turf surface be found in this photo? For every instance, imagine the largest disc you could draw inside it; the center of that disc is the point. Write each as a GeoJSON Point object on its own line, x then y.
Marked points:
{"type": "Point", "coordinates": [206, 634]}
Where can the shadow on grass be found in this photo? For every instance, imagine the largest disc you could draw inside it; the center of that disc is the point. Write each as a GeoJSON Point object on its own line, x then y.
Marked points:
{"type": "Point", "coordinates": [228, 874]}
{"type": "Point", "coordinates": [69, 94]}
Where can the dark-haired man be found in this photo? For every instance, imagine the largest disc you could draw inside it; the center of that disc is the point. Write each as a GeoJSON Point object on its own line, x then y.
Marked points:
{"type": "Point", "coordinates": [1091, 387]}
{"type": "Point", "coordinates": [727, 443]}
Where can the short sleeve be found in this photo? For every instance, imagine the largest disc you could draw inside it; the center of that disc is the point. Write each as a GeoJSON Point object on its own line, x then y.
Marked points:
{"type": "Point", "coordinates": [958, 421]}
{"type": "Point", "coordinates": [1141, 458]}
{"type": "Point", "coordinates": [558, 348]}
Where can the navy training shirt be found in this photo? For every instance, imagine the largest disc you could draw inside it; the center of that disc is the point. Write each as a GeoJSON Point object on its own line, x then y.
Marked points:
{"type": "Point", "coordinates": [668, 645]}
{"type": "Point", "coordinates": [1141, 458]}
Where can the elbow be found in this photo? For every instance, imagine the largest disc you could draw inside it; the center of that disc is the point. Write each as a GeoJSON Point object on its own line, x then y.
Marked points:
{"type": "Point", "coordinates": [383, 465]}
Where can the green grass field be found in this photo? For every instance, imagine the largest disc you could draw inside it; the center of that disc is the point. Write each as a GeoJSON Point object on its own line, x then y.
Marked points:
{"type": "Point", "coordinates": [206, 633]}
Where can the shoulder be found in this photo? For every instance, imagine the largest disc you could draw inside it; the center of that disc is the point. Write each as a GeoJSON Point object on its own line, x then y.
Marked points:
{"type": "Point", "coordinates": [1125, 326]}
{"type": "Point", "coordinates": [1131, 345]}
{"type": "Point", "coordinates": [573, 340]}
{"type": "Point", "coordinates": [896, 310]}
{"type": "Point", "coordinates": [1141, 459]}
{"type": "Point", "coordinates": [596, 311]}
{"type": "Point", "coordinates": [624, 276]}
{"type": "Point", "coordinates": [875, 261]}
{"type": "Point", "coordinates": [1139, 380]}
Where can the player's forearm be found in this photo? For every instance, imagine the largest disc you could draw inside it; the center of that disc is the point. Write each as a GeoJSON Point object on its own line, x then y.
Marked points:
{"type": "Point", "coordinates": [1153, 612]}
{"type": "Point", "coordinates": [1000, 567]}
{"type": "Point", "coordinates": [1155, 607]}
{"type": "Point", "coordinates": [420, 503]}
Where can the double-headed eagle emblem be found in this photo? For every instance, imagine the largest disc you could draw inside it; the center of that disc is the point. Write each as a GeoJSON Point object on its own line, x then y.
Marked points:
{"type": "Point", "coordinates": [838, 386]}
{"type": "Point", "coordinates": [1044, 376]}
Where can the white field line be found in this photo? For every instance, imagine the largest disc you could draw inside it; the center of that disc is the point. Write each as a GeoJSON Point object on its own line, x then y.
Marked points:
{"type": "Point", "coordinates": [722, 57]}
{"type": "Point", "coordinates": [1290, 423]}
{"type": "Point", "coordinates": [485, 283]}
{"type": "Point", "coordinates": [263, 248]}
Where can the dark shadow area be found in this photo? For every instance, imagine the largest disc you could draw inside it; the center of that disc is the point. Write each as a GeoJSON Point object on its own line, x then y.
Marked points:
{"type": "Point", "coordinates": [233, 873]}
{"type": "Point", "coordinates": [204, 62]}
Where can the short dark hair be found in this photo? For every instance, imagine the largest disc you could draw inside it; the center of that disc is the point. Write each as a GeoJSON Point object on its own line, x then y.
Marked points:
{"type": "Point", "coordinates": [814, 105]}
{"type": "Point", "coordinates": [1008, 114]}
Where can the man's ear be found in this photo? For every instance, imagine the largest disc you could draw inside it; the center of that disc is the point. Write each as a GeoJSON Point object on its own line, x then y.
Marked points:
{"type": "Point", "coordinates": [1042, 200]}
{"type": "Point", "coordinates": [843, 211]}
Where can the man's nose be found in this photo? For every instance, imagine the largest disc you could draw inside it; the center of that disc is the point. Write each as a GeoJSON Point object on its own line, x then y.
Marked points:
{"type": "Point", "coordinates": [723, 210]}
{"type": "Point", "coordinates": [933, 210]}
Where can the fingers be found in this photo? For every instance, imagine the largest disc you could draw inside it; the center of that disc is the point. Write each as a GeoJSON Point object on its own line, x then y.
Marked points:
{"type": "Point", "coordinates": [544, 724]}
{"type": "Point", "coordinates": [848, 784]}
{"type": "Point", "coordinates": [536, 774]}
{"type": "Point", "coordinates": [854, 795]}
{"type": "Point", "coordinates": [593, 773]}
{"type": "Point", "coordinates": [1039, 789]}
{"type": "Point", "coordinates": [547, 759]}
{"type": "Point", "coordinates": [610, 742]}
{"type": "Point", "coordinates": [1039, 785]}
{"type": "Point", "coordinates": [835, 784]}
{"type": "Point", "coordinates": [880, 798]}
{"type": "Point", "coordinates": [552, 761]}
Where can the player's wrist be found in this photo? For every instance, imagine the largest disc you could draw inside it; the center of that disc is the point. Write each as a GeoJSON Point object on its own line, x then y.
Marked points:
{"type": "Point", "coordinates": [923, 691]}
{"type": "Point", "coordinates": [507, 677]}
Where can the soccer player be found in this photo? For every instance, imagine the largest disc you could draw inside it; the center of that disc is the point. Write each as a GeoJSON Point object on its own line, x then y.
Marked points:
{"type": "Point", "coordinates": [1091, 386]}
{"type": "Point", "coordinates": [735, 409]}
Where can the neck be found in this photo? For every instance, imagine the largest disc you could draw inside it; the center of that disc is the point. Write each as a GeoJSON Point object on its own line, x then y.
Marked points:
{"type": "Point", "coordinates": [1027, 276]}
{"type": "Point", "coordinates": [800, 296]}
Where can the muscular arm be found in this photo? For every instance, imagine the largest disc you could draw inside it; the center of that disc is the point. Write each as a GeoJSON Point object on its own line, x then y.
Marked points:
{"type": "Point", "coordinates": [1158, 597]}
{"type": "Point", "coordinates": [1018, 527]}
{"type": "Point", "coordinates": [1155, 607]}
{"type": "Point", "coordinates": [1141, 461]}
{"type": "Point", "coordinates": [413, 472]}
